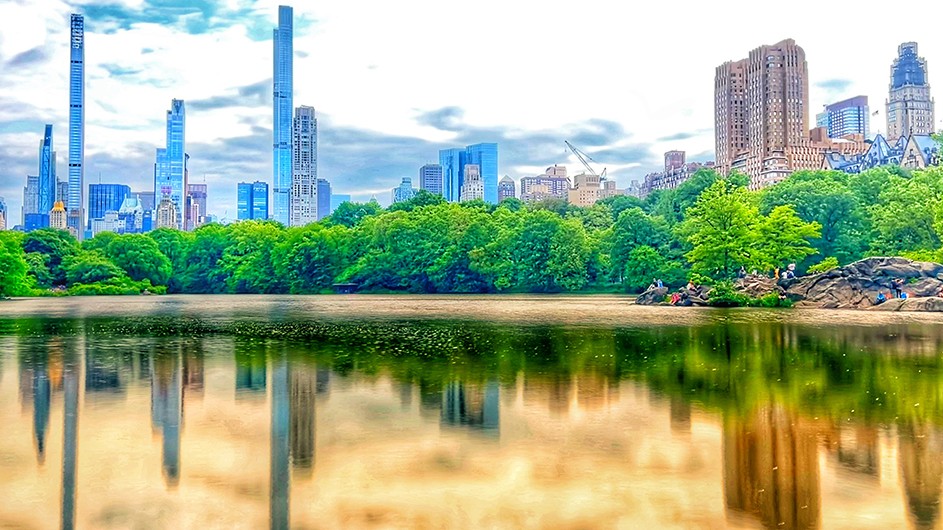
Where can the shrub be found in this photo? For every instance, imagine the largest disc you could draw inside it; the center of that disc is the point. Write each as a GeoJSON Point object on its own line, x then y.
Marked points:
{"type": "Point", "coordinates": [825, 265]}
{"type": "Point", "coordinates": [724, 295]}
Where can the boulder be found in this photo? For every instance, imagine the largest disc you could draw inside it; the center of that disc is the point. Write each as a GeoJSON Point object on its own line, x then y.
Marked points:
{"type": "Point", "coordinates": [929, 303]}
{"type": "Point", "coordinates": [757, 286]}
{"type": "Point", "coordinates": [652, 296]}
{"type": "Point", "coordinates": [856, 286]}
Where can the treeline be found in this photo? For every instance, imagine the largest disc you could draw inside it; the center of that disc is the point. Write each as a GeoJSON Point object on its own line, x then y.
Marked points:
{"type": "Point", "coordinates": [705, 230]}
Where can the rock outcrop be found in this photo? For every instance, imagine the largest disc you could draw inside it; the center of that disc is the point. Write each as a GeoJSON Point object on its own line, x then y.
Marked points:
{"type": "Point", "coordinates": [758, 286]}
{"type": "Point", "coordinates": [856, 286]}
{"type": "Point", "coordinates": [652, 296]}
{"type": "Point", "coordinates": [930, 303]}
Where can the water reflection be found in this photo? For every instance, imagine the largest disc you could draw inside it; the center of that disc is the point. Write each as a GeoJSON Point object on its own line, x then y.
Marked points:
{"type": "Point", "coordinates": [752, 425]}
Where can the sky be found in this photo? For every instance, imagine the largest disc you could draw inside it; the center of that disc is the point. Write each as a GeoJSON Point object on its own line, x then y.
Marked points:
{"type": "Point", "coordinates": [394, 82]}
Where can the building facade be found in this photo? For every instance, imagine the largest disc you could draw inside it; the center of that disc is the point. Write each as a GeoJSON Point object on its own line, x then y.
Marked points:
{"type": "Point", "coordinates": [252, 200]}
{"type": "Point", "coordinates": [585, 190]}
{"type": "Point", "coordinates": [166, 215]}
{"type": "Point", "coordinates": [544, 187]}
{"type": "Point", "coordinates": [761, 115]}
{"type": "Point", "coordinates": [912, 152]}
{"type": "Point", "coordinates": [30, 197]}
{"type": "Point", "coordinates": [304, 171]}
{"type": "Point", "coordinates": [676, 172]}
{"type": "Point", "coordinates": [196, 205]}
{"type": "Point", "coordinates": [47, 172]}
{"type": "Point", "coordinates": [3, 214]}
{"type": "Point", "coordinates": [430, 178]}
{"type": "Point", "coordinates": [403, 192]}
{"type": "Point", "coordinates": [473, 186]}
{"type": "Point", "coordinates": [453, 162]}
{"type": "Point", "coordinates": [57, 216]}
{"type": "Point", "coordinates": [170, 168]}
{"type": "Point", "coordinates": [104, 198]}
{"type": "Point", "coordinates": [77, 124]}
{"type": "Point", "coordinates": [851, 116]}
{"type": "Point", "coordinates": [506, 189]}
{"type": "Point", "coordinates": [324, 198]}
{"type": "Point", "coordinates": [910, 109]}
{"type": "Point", "coordinates": [282, 86]}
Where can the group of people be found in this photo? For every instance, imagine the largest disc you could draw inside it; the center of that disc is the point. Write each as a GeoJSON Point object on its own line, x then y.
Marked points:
{"type": "Point", "coordinates": [688, 295]}
{"type": "Point", "coordinates": [788, 273]}
{"type": "Point", "coordinates": [656, 284]}
{"type": "Point", "coordinates": [897, 286]}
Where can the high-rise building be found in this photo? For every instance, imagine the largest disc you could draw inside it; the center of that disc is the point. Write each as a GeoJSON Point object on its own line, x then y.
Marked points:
{"type": "Point", "coordinates": [850, 116]}
{"type": "Point", "coordinates": [196, 205]}
{"type": "Point", "coordinates": [170, 169]}
{"type": "Point", "coordinates": [166, 216]}
{"type": "Point", "coordinates": [57, 216]}
{"type": "Point", "coordinates": [430, 178]}
{"type": "Point", "coordinates": [324, 198]}
{"type": "Point", "coordinates": [77, 124]}
{"type": "Point", "coordinates": [553, 183]}
{"type": "Point", "coordinates": [148, 201]}
{"type": "Point", "coordinates": [62, 191]}
{"type": "Point", "coordinates": [761, 114]}
{"type": "Point", "coordinates": [252, 201]}
{"type": "Point", "coordinates": [404, 191]}
{"type": "Point", "coordinates": [453, 161]}
{"type": "Point", "coordinates": [674, 160]}
{"type": "Point", "coordinates": [47, 172]}
{"type": "Point", "coordinates": [473, 186]}
{"type": "Point", "coordinates": [282, 80]}
{"type": "Point", "coordinates": [304, 171]}
{"type": "Point", "coordinates": [105, 198]}
{"type": "Point", "coordinates": [585, 191]}
{"type": "Point", "coordinates": [505, 188]}
{"type": "Point", "coordinates": [910, 109]}
{"type": "Point", "coordinates": [338, 199]}
{"type": "Point", "coordinates": [673, 175]}
{"type": "Point", "coordinates": [3, 214]}
{"type": "Point", "coordinates": [30, 197]}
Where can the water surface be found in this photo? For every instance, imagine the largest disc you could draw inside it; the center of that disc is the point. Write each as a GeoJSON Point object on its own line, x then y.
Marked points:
{"type": "Point", "coordinates": [467, 412]}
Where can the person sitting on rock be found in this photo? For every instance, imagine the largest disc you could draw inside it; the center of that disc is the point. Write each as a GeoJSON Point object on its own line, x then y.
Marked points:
{"type": "Point", "coordinates": [742, 273]}
{"type": "Point", "coordinates": [659, 283]}
{"type": "Point", "coordinates": [651, 285]}
{"type": "Point", "coordinates": [675, 298]}
{"type": "Point", "coordinates": [880, 298]}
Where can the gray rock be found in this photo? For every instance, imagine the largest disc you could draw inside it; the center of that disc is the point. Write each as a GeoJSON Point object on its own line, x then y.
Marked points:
{"type": "Point", "coordinates": [652, 296]}
{"type": "Point", "coordinates": [758, 286]}
{"type": "Point", "coordinates": [930, 303]}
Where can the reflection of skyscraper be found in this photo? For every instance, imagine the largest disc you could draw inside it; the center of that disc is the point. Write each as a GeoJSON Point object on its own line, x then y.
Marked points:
{"type": "Point", "coordinates": [41, 400]}
{"type": "Point", "coordinates": [166, 411]}
{"type": "Point", "coordinates": [280, 448]}
{"type": "Point", "coordinates": [303, 383]}
{"type": "Point", "coordinates": [250, 371]}
{"type": "Point", "coordinates": [70, 377]}
{"type": "Point", "coordinates": [193, 372]}
{"type": "Point", "coordinates": [771, 469]}
{"type": "Point", "coordinates": [921, 472]}
{"type": "Point", "coordinates": [472, 405]}
{"type": "Point", "coordinates": [102, 373]}
{"type": "Point", "coordinates": [680, 413]}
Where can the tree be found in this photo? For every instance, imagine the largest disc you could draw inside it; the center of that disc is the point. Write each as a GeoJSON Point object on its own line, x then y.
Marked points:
{"type": "Point", "coordinates": [905, 217]}
{"type": "Point", "coordinates": [247, 261]}
{"type": "Point", "coordinates": [176, 246]}
{"type": "Point", "coordinates": [351, 214]}
{"type": "Point", "coordinates": [203, 273]}
{"type": "Point", "coordinates": [13, 279]}
{"type": "Point", "coordinates": [782, 238]}
{"type": "Point", "coordinates": [310, 257]}
{"type": "Point", "coordinates": [644, 264]}
{"type": "Point", "coordinates": [620, 203]}
{"type": "Point", "coordinates": [421, 199]}
{"type": "Point", "coordinates": [91, 266]}
{"type": "Point", "coordinates": [140, 257]}
{"type": "Point", "coordinates": [632, 229]}
{"type": "Point", "coordinates": [54, 245]}
{"type": "Point", "coordinates": [720, 228]}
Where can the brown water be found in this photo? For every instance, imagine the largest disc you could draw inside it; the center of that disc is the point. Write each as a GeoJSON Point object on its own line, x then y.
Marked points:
{"type": "Point", "coordinates": [537, 412]}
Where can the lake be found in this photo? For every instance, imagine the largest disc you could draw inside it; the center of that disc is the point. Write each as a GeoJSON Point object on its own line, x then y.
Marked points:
{"type": "Point", "coordinates": [569, 412]}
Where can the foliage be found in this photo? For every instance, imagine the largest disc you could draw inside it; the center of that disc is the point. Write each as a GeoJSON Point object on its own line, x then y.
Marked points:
{"type": "Point", "coordinates": [91, 266]}
{"type": "Point", "coordinates": [644, 265]}
{"type": "Point", "coordinates": [782, 238]}
{"type": "Point", "coordinates": [54, 245]}
{"type": "Point", "coordinates": [12, 265]}
{"type": "Point", "coordinates": [720, 228]}
{"type": "Point", "coordinates": [139, 257]}
{"type": "Point", "coordinates": [825, 265]}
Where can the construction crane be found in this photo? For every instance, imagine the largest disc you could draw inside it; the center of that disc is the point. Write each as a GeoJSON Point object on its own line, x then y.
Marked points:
{"type": "Point", "coordinates": [585, 159]}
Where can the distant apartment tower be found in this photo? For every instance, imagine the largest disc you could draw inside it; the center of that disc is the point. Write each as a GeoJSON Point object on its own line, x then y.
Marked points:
{"type": "Point", "coordinates": [170, 168]}
{"type": "Point", "coordinates": [910, 109]}
{"type": "Point", "coordinates": [473, 186]}
{"type": "Point", "coordinates": [430, 178]}
{"type": "Point", "coordinates": [453, 161]}
{"type": "Point", "coordinates": [47, 172]}
{"type": "Point", "coordinates": [676, 172]}
{"type": "Point", "coordinates": [196, 205]}
{"type": "Point", "coordinates": [674, 160]}
{"type": "Point", "coordinates": [104, 198]}
{"type": "Point", "coordinates": [761, 115]}
{"type": "Point", "coordinates": [252, 201]}
{"type": "Point", "coordinates": [166, 216]}
{"type": "Point", "coordinates": [30, 197]}
{"type": "Point", "coordinates": [3, 214]}
{"type": "Point", "coordinates": [505, 188]}
{"type": "Point", "coordinates": [850, 116]}
{"type": "Point", "coordinates": [403, 192]}
{"type": "Point", "coordinates": [282, 86]}
{"type": "Point", "coordinates": [553, 183]}
{"type": "Point", "coordinates": [324, 198]}
{"type": "Point", "coordinates": [77, 124]}
{"type": "Point", "coordinates": [304, 169]}
{"type": "Point", "coordinates": [62, 192]}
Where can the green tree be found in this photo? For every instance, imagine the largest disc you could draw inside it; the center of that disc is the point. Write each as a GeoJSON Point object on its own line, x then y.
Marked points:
{"type": "Point", "coordinates": [632, 229]}
{"type": "Point", "coordinates": [54, 245]}
{"type": "Point", "coordinates": [645, 264]}
{"type": "Point", "coordinates": [905, 217]}
{"type": "Point", "coordinates": [13, 278]}
{"type": "Point", "coordinates": [140, 257]}
{"type": "Point", "coordinates": [351, 214]}
{"type": "Point", "coordinates": [174, 244]}
{"type": "Point", "coordinates": [203, 272]}
{"type": "Point", "coordinates": [247, 261]}
{"type": "Point", "coordinates": [783, 238]}
{"type": "Point", "coordinates": [91, 266]}
{"type": "Point", "coordinates": [720, 228]}
{"type": "Point", "coordinates": [309, 258]}
{"type": "Point", "coordinates": [421, 199]}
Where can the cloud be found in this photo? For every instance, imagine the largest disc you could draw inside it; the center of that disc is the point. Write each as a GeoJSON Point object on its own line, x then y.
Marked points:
{"type": "Point", "coordinates": [445, 118]}
{"type": "Point", "coordinates": [37, 55]}
{"type": "Point", "coordinates": [834, 85]}
{"type": "Point", "coordinates": [252, 95]}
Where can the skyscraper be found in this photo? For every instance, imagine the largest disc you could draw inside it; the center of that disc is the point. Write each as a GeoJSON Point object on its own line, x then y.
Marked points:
{"type": "Point", "coordinates": [3, 214]}
{"type": "Point", "coordinates": [57, 217]}
{"type": "Point", "coordinates": [324, 198]}
{"type": "Point", "coordinates": [761, 113]}
{"type": "Point", "coordinates": [47, 173]}
{"type": "Point", "coordinates": [30, 197]}
{"type": "Point", "coordinates": [850, 116]}
{"type": "Point", "coordinates": [485, 156]}
{"type": "Point", "coordinates": [473, 186]}
{"type": "Point", "coordinates": [77, 124]}
{"type": "Point", "coordinates": [252, 201]}
{"type": "Point", "coordinates": [170, 169]}
{"type": "Point", "coordinates": [505, 188]}
{"type": "Point", "coordinates": [910, 109]}
{"type": "Point", "coordinates": [452, 162]}
{"type": "Point", "coordinates": [196, 205]}
{"type": "Point", "coordinates": [304, 171]}
{"type": "Point", "coordinates": [404, 191]}
{"type": "Point", "coordinates": [105, 198]}
{"type": "Point", "coordinates": [282, 125]}
{"type": "Point", "coordinates": [430, 178]}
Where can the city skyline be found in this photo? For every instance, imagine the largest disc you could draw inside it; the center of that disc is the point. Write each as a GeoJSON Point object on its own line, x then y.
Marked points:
{"type": "Point", "coordinates": [627, 127]}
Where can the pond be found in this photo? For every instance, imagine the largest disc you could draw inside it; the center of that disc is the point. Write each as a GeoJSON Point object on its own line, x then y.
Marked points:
{"type": "Point", "coordinates": [465, 412]}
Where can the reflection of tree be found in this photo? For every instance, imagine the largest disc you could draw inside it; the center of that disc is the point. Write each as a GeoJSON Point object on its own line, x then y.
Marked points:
{"type": "Point", "coordinates": [921, 471]}
{"type": "Point", "coordinates": [771, 468]}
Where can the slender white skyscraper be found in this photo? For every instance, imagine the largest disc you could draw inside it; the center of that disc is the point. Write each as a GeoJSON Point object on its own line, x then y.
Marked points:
{"type": "Point", "coordinates": [304, 177]}
{"type": "Point", "coordinates": [77, 125]}
{"type": "Point", "coordinates": [282, 109]}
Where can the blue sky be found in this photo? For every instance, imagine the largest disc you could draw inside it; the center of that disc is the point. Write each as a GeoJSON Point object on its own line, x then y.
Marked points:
{"type": "Point", "coordinates": [393, 82]}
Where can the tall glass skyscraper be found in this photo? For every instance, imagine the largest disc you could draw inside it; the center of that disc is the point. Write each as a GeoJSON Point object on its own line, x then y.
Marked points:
{"type": "Point", "coordinates": [453, 162]}
{"type": "Point", "coordinates": [77, 123]}
{"type": "Point", "coordinates": [324, 198]}
{"type": "Point", "coordinates": [47, 173]}
{"type": "Point", "coordinates": [106, 198]}
{"type": "Point", "coordinates": [252, 201]}
{"type": "Point", "coordinates": [430, 178]}
{"type": "Point", "coordinates": [282, 110]}
{"type": "Point", "coordinates": [850, 116]}
{"type": "Point", "coordinates": [171, 166]}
